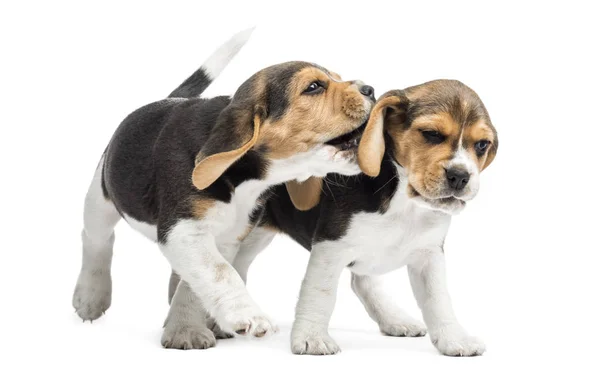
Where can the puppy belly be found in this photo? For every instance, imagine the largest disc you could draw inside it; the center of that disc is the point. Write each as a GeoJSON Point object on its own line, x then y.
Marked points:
{"type": "Point", "coordinates": [146, 229]}
{"type": "Point", "coordinates": [377, 266]}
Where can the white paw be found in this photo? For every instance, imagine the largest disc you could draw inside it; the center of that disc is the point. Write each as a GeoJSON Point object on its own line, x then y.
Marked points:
{"type": "Point", "coordinates": [182, 336]}
{"type": "Point", "coordinates": [403, 328]}
{"type": "Point", "coordinates": [216, 329]}
{"type": "Point", "coordinates": [458, 343]}
{"type": "Point", "coordinates": [247, 322]}
{"type": "Point", "coordinates": [92, 294]}
{"type": "Point", "coordinates": [311, 341]}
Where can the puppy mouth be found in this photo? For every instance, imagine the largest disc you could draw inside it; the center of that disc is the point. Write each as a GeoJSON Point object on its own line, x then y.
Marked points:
{"type": "Point", "coordinates": [350, 140]}
{"type": "Point", "coordinates": [447, 204]}
{"type": "Point", "coordinates": [449, 200]}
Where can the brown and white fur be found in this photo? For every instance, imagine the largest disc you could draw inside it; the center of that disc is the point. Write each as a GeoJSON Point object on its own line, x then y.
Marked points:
{"type": "Point", "coordinates": [424, 149]}
{"type": "Point", "coordinates": [187, 172]}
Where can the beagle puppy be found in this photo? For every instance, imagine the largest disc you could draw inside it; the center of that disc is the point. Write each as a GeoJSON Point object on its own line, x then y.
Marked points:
{"type": "Point", "coordinates": [423, 151]}
{"type": "Point", "coordinates": [187, 172]}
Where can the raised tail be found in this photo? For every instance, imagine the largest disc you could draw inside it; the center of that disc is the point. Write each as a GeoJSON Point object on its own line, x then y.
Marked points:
{"type": "Point", "coordinates": [212, 67]}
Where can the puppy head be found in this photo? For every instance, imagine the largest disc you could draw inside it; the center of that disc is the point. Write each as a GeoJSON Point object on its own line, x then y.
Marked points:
{"type": "Point", "coordinates": [442, 136]}
{"type": "Point", "coordinates": [298, 114]}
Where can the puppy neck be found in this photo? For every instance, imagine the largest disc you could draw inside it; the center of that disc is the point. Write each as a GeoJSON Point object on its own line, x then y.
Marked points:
{"type": "Point", "coordinates": [298, 167]}
{"type": "Point", "coordinates": [317, 162]}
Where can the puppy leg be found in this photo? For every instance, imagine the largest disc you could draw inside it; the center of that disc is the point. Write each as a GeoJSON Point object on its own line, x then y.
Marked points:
{"type": "Point", "coordinates": [391, 319]}
{"type": "Point", "coordinates": [92, 296]}
{"type": "Point", "coordinates": [173, 283]}
{"type": "Point", "coordinates": [428, 280]}
{"type": "Point", "coordinates": [192, 252]}
{"type": "Point", "coordinates": [258, 239]}
{"type": "Point", "coordinates": [317, 300]}
{"type": "Point", "coordinates": [251, 246]}
{"type": "Point", "coordinates": [230, 254]}
{"type": "Point", "coordinates": [186, 325]}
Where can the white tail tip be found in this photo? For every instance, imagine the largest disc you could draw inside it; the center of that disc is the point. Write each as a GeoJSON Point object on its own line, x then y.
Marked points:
{"type": "Point", "coordinates": [215, 64]}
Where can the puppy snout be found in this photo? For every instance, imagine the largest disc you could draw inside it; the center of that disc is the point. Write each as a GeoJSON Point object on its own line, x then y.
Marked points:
{"type": "Point", "coordinates": [358, 99]}
{"type": "Point", "coordinates": [367, 91]}
{"type": "Point", "coordinates": [457, 178]}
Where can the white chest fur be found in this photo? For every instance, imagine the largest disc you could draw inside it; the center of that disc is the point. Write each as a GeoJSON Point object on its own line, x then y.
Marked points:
{"type": "Point", "coordinates": [230, 221]}
{"type": "Point", "coordinates": [382, 243]}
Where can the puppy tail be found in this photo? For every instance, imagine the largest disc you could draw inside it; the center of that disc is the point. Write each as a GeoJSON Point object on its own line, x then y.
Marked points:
{"type": "Point", "coordinates": [212, 67]}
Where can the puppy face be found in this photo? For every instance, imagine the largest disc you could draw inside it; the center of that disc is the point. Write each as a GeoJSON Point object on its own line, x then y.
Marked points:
{"type": "Point", "coordinates": [312, 109]}
{"type": "Point", "coordinates": [296, 112]}
{"type": "Point", "coordinates": [442, 137]}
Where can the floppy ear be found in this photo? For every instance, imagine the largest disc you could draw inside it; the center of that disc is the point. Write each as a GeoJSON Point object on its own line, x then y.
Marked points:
{"type": "Point", "coordinates": [235, 132]}
{"type": "Point", "coordinates": [491, 154]}
{"type": "Point", "coordinates": [305, 195]}
{"type": "Point", "coordinates": [372, 143]}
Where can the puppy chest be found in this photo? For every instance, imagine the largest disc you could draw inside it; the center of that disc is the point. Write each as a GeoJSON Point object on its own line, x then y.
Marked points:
{"type": "Point", "coordinates": [231, 221]}
{"type": "Point", "coordinates": [383, 243]}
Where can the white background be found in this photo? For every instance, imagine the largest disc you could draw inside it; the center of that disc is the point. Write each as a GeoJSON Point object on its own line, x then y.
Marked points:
{"type": "Point", "coordinates": [522, 258]}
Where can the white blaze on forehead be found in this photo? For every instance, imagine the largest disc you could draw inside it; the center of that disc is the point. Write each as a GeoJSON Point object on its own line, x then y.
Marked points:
{"type": "Point", "coordinates": [462, 158]}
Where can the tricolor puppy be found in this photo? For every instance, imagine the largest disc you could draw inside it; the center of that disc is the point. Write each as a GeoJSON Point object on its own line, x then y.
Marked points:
{"type": "Point", "coordinates": [187, 172]}
{"type": "Point", "coordinates": [424, 149]}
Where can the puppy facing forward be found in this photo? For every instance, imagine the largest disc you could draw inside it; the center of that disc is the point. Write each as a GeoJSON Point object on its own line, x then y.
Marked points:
{"type": "Point", "coordinates": [423, 149]}
{"type": "Point", "coordinates": [187, 172]}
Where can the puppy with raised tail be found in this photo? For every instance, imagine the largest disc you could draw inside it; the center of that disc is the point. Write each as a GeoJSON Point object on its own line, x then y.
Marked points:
{"type": "Point", "coordinates": [187, 172]}
{"type": "Point", "coordinates": [423, 151]}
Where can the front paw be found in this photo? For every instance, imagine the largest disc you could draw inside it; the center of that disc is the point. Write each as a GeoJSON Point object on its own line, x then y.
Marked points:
{"type": "Point", "coordinates": [307, 340]}
{"type": "Point", "coordinates": [216, 329]}
{"type": "Point", "coordinates": [247, 322]}
{"type": "Point", "coordinates": [187, 336]}
{"type": "Point", "coordinates": [92, 294]}
{"type": "Point", "coordinates": [457, 343]}
{"type": "Point", "coordinates": [404, 328]}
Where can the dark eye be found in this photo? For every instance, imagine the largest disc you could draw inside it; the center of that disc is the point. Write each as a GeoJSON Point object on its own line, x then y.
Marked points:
{"type": "Point", "coordinates": [481, 146]}
{"type": "Point", "coordinates": [315, 87]}
{"type": "Point", "coordinates": [433, 137]}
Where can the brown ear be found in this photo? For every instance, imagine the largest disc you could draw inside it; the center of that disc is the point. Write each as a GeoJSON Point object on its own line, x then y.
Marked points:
{"type": "Point", "coordinates": [372, 144]}
{"type": "Point", "coordinates": [305, 195]}
{"type": "Point", "coordinates": [227, 143]}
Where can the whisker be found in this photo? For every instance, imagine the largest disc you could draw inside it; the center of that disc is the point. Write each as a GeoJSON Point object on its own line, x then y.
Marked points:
{"type": "Point", "coordinates": [383, 186]}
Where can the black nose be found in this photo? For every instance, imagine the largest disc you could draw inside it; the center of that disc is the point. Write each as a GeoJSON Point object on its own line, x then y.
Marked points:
{"type": "Point", "coordinates": [457, 178]}
{"type": "Point", "coordinates": [367, 90]}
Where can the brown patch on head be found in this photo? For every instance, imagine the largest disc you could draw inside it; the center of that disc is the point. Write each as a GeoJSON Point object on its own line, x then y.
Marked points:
{"type": "Point", "coordinates": [423, 161]}
{"type": "Point", "coordinates": [306, 120]}
{"type": "Point", "coordinates": [443, 116]}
